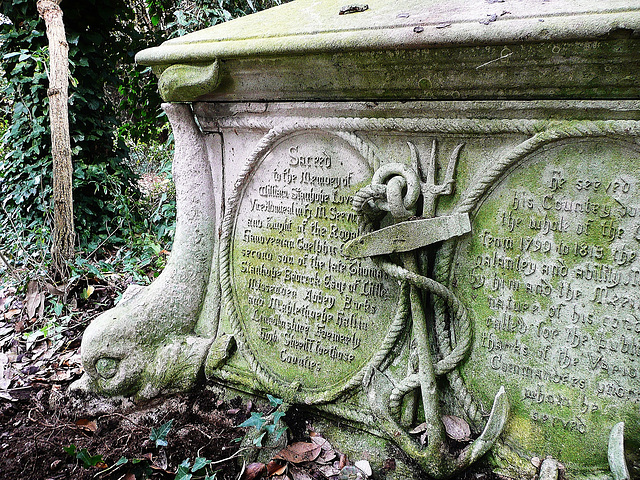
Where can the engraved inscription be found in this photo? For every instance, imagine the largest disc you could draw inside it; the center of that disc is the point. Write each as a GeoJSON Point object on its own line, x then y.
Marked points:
{"type": "Point", "coordinates": [309, 313]}
{"type": "Point", "coordinates": [552, 276]}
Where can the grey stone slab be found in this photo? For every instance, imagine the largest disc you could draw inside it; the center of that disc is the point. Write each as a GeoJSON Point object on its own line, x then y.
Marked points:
{"type": "Point", "coordinates": [305, 51]}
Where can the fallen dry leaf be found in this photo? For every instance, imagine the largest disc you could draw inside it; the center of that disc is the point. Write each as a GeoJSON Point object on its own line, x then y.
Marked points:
{"type": "Point", "coordinates": [254, 471]}
{"type": "Point", "coordinates": [299, 452]}
{"type": "Point", "coordinates": [9, 314]}
{"type": "Point", "coordinates": [329, 471]}
{"type": "Point", "coordinates": [7, 396]}
{"type": "Point", "coordinates": [41, 307]}
{"type": "Point", "coordinates": [53, 290]}
{"type": "Point", "coordinates": [275, 468]}
{"type": "Point", "coordinates": [19, 326]}
{"type": "Point", "coordinates": [299, 474]}
{"type": "Point", "coordinates": [456, 428]}
{"type": "Point", "coordinates": [319, 440]}
{"type": "Point", "coordinates": [419, 429]}
{"type": "Point", "coordinates": [364, 466]}
{"type": "Point", "coordinates": [326, 457]}
{"type": "Point", "coordinates": [86, 424]}
{"type": "Point", "coordinates": [33, 298]}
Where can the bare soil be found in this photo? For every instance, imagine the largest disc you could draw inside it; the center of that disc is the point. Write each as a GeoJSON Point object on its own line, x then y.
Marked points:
{"type": "Point", "coordinates": [37, 427]}
{"type": "Point", "coordinates": [45, 433]}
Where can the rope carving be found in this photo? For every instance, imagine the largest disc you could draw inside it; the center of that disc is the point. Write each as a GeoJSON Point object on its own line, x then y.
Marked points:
{"type": "Point", "coordinates": [371, 203]}
{"type": "Point", "coordinates": [395, 188]}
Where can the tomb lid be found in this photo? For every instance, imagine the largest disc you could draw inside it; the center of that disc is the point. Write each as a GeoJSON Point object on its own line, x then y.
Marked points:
{"type": "Point", "coordinates": [325, 49]}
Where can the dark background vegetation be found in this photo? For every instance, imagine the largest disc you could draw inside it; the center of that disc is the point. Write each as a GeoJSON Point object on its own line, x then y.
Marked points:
{"type": "Point", "coordinates": [124, 209]}
{"type": "Point", "coordinates": [118, 131]}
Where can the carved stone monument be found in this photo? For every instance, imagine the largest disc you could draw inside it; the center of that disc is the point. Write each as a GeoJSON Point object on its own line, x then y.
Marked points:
{"type": "Point", "coordinates": [398, 212]}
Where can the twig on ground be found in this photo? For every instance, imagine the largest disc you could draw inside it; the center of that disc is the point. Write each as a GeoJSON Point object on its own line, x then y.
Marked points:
{"type": "Point", "coordinates": [231, 457]}
{"type": "Point", "coordinates": [116, 414]}
{"type": "Point", "coordinates": [106, 239]}
{"type": "Point", "coordinates": [12, 270]}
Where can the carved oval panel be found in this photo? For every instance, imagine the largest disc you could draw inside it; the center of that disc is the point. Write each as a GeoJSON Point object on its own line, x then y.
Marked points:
{"type": "Point", "coordinates": [303, 312]}
{"type": "Point", "coordinates": [551, 278]}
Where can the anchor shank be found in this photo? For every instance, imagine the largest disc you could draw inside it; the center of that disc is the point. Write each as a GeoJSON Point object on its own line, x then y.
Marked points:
{"type": "Point", "coordinates": [426, 372]}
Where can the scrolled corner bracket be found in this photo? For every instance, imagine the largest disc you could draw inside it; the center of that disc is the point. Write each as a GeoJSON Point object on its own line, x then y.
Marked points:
{"type": "Point", "coordinates": [147, 345]}
{"type": "Point", "coordinates": [185, 83]}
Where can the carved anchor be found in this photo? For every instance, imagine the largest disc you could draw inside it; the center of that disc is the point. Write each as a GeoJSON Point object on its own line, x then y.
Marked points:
{"type": "Point", "coordinates": [395, 188]}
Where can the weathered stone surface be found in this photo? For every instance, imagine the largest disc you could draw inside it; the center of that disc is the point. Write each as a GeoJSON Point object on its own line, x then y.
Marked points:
{"type": "Point", "coordinates": [418, 49]}
{"type": "Point", "coordinates": [301, 311]}
{"type": "Point", "coordinates": [550, 277]}
{"type": "Point", "coordinates": [391, 262]}
{"type": "Point", "coordinates": [501, 160]}
{"type": "Point", "coordinates": [147, 344]}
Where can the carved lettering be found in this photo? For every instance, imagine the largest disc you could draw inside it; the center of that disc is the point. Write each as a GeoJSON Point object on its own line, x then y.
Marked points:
{"type": "Point", "coordinates": [308, 308]}
{"type": "Point", "coordinates": [552, 276]}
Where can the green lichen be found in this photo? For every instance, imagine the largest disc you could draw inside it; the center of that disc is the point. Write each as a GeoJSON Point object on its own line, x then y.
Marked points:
{"type": "Point", "coordinates": [185, 83]}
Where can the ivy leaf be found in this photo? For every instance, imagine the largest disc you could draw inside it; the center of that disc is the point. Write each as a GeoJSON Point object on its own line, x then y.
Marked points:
{"type": "Point", "coordinates": [71, 450]}
{"type": "Point", "coordinates": [277, 416]}
{"type": "Point", "coordinates": [183, 473]}
{"type": "Point", "coordinates": [199, 463]}
{"type": "Point", "coordinates": [159, 434]}
{"type": "Point", "coordinates": [275, 402]}
{"type": "Point", "coordinates": [258, 441]}
{"type": "Point", "coordinates": [279, 433]}
{"type": "Point", "coordinates": [256, 420]}
{"type": "Point", "coordinates": [88, 460]}
{"type": "Point", "coordinates": [83, 455]}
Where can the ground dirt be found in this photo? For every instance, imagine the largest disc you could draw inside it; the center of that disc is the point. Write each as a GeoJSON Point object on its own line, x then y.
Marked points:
{"type": "Point", "coordinates": [41, 422]}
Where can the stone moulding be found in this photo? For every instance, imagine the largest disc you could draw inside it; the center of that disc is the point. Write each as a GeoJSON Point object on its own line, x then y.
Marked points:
{"type": "Point", "coordinates": [413, 49]}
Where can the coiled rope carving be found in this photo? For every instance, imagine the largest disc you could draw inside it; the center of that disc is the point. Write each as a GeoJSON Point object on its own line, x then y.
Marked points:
{"type": "Point", "coordinates": [367, 203]}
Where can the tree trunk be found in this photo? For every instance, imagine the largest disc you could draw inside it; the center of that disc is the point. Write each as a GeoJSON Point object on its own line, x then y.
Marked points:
{"type": "Point", "coordinates": [62, 249]}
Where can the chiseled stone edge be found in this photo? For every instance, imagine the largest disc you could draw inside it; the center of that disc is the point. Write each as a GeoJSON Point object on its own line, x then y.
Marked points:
{"type": "Point", "coordinates": [279, 31]}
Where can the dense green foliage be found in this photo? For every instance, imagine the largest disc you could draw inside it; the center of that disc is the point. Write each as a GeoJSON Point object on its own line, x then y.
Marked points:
{"type": "Point", "coordinates": [117, 127]}
{"type": "Point", "coordinates": [103, 184]}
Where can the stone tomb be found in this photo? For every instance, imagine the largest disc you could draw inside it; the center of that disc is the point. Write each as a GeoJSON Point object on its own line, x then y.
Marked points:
{"type": "Point", "coordinates": [400, 213]}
